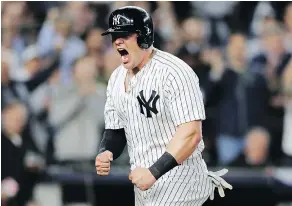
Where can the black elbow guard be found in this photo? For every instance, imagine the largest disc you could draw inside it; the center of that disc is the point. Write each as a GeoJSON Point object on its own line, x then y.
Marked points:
{"type": "Point", "coordinates": [114, 140]}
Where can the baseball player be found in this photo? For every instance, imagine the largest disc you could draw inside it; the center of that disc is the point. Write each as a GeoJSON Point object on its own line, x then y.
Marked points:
{"type": "Point", "coordinates": [155, 107]}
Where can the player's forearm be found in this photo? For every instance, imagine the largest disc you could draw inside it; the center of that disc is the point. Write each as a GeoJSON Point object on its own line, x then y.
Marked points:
{"type": "Point", "coordinates": [184, 142]}
{"type": "Point", "coordinates": [179, 149]}
{"type": "Point", "coordinates": [114, 140]}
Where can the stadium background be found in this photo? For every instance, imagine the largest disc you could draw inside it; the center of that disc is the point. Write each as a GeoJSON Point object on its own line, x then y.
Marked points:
{"type": "Point", "coordinates": [54, 70]}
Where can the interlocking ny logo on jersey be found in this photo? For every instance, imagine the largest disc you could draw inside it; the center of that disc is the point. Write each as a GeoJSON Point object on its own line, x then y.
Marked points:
{"type": "Point", "coordinates": [149, 105]}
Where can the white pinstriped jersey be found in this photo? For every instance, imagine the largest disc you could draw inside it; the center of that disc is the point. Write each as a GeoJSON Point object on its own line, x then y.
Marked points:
{"type": "Point", "coordinates": [162, 95]}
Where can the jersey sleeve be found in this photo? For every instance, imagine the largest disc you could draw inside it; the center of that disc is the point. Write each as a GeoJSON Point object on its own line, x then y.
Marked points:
{"type": "Point", "coordinates": [184, 97]}
{"type": "Point", "coordinates": [112, 120]}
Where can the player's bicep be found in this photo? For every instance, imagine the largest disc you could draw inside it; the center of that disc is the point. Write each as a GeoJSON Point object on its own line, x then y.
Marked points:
{"type": "Point", "coordinates": [189, 128]}
{"type": "Point", "coordinates": [185, 100]}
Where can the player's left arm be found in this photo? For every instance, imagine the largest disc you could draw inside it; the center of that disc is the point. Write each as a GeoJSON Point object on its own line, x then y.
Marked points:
{"type": "Point", "coordinates": [185, 103]}
{"type": "Point", "coordinates": [185, 140]}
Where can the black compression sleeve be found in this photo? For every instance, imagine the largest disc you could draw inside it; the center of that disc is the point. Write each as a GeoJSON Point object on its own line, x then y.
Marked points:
{"type": "Point", "coordinates": [114, 140]}
{"type": "Point", "coordinates": [165, 163]}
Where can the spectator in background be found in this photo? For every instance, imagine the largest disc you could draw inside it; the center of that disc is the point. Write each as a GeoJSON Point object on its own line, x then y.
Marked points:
{"type": "Point", "coordinates": [57, 35]}
{"type": "Point", "coordinates": [33, 77]}
{"type": "Point", "coordinates": [11, 58]}
{"type": "Point", "coordinates": [82, 16]}
{"type": "Point", "coordinates": [14, 118]}
{"type": "Point", "coordinates": [21, 165]}
{"type": "Point", "coordinates": [271, 63]}
{"type": "Point", "coordinates": [96, 49]}
{"type": "Point", "coordinates": [288, 25]}
{"type": "Point", "coordinates": [21, 91]}
{"type": "Point", "coordinates": [76, 115]}
{"type": "Point", "coordinates": [256, 150]}
{"type": "Point", "coordinates": [241, 98]}
{"type": "Point", "coordinates": [215, 13]}
{"type": "Point", "coordinates": [193, 46]}
{"type": "Point", "coordinates": [287, 133]}
{"type": "Point", "coordinates": [263, 15]}
{"type": "Point", "coordinates": [77, 128]}
{"type": "Point", "coordinates": [31, 64]}
{"type": "Point", "coordinates": [13, 18]}
{"type": "Point", "coordinates": [168, 31]}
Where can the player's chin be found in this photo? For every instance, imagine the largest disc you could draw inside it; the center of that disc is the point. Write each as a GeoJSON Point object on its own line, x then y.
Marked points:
{"type": "Point", "coordinates": [128, 65]}
{"type": "Point", "coordinates": [143, 188]}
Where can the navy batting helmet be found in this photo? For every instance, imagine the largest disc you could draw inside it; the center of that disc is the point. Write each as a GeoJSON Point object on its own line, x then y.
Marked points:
{"type": "Point", "coordinates": [132, 19]}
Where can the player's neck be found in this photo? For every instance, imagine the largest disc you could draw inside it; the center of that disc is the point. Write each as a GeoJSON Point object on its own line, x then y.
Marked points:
{"type": "Point", "coordinates": [146, 58]}
{"type": "Point", "coordinates": [149, 53]}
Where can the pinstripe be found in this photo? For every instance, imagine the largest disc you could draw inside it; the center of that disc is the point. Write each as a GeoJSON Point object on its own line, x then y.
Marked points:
{"type": "Point", "coordinates": [198, 189]}
{"type": "Point", "coordinates": [169, 193]}
{"type": "Point", "coordinates": [145, 119]}
{"type": "Point", "coordinates": [207, 193]}
{"type": "Point", "coordinates": [186, 191]}
{"type": "Point", "coordinates": [178, 76]}
{"type": "Point", "coordinates": [187, 80]}
{"type": "Point", "coordinates": [178, 187]}
{"type": "Point", "coordinates": [158, 127]}
{"type": "Point", "coordinates": [134, 153]}
{"type": "Point", "coordinates": [181, 184]}
{"type": "Point", "coordinates": [162, 188]}
{"type": "Point", "coordinates": [143, 141]}
{"type": "Point", "coordinates": [138, 195]}
{"type": "Point", "coordinates": [152, 195]}
{"type": "Point", "coordinates": [189, 181]}
{"type": "Point", "coordinates": [187, 68]}
{"type": "Point", "coordinates": [139, 139]}
{"type": "Point", "coordinates": [138, 201]}
{"type": "Point", "coordinates": [206, 183]}
{"type": "Point", "coordinates": [164, 122]}
{"type": "Point", "coordinates": [148, 89]}
{"type": "Point", "coordinates": [140, 119]}
{"type": "Point", "coordinates": [133, 126]}
{"type": "Point", "coordinates": [180, 117]}
{"type": "Point", "coordinates": [190, 71]}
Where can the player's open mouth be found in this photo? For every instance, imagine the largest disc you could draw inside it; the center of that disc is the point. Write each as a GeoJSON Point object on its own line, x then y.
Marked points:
{"type": "Point", "coordinates": [125, 55]}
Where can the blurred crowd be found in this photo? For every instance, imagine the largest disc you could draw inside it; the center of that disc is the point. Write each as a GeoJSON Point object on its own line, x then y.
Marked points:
{"type": "Point", "coordinates": [55, 66]}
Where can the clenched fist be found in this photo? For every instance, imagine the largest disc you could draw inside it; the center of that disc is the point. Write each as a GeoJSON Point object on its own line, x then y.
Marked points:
{"type": "Point", "coordinates": [103, 163]}
{"type": "Point", "coordinates": [142, 178]}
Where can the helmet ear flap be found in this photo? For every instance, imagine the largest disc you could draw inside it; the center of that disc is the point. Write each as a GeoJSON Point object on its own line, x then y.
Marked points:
{"type": "Point", "coordinates": [142, 40]}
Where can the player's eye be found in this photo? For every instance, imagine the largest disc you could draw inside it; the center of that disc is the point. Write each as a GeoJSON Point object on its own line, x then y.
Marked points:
{"type": "Point", "coordinates": [123, 35]}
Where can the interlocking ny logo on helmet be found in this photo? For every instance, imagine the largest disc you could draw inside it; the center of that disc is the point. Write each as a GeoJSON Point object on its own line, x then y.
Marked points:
{"type": "Point", "coordinates": [121, 20]}
{"type": "Point", "coordinates": [132, 19]}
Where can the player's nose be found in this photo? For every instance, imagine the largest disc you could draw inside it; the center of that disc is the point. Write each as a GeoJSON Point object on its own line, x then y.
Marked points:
{"type": "Point", "coordinates": [118, 41]}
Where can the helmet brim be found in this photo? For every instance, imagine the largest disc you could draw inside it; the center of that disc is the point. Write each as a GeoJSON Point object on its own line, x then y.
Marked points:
{"type": "Point", "coordinates": [110, 31]}
{"type": "Point", "coordinates": [120, 29]}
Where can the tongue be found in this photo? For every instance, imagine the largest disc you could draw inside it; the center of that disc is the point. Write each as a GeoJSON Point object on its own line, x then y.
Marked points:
{"type": "Point", "coordinates": [125, 59]}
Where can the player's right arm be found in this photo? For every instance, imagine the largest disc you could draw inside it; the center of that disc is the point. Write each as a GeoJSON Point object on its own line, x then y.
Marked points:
{"type": "Point", "coordinates": [114, 138]}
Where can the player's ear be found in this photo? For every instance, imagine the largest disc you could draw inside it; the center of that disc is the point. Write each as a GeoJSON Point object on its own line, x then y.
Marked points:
{"type": "Point", "coordinates": [130, 176]}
